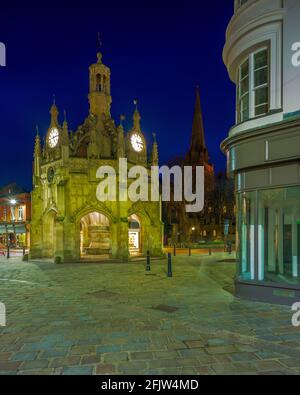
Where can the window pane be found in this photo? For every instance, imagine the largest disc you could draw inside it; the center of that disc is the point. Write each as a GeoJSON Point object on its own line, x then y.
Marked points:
{"type": "Point", "coordinates": [261, 96]}
{"type": "Point", "coordinates": [245, 108]}
{"type": "Point", "coordinates": [260, 110]}
{"type": "Point", "coordinates": [261, 59]}
{"type": "Point", "coordinates": [261, 77]}
{"type": "Point", "coordinates": [245, 69]}
{"type": "Point", "coordinates": [245, 86]}
{"type": "Point", "coordinates": [279, 237]}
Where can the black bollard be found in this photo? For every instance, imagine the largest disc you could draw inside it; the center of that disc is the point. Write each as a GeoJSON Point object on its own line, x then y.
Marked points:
{"type": "Point", "coordinates": [148, 267]}
{"type": "Point", "coordinates": [190, 251]}
{"type": "Point", "coordinates": [174, 250]}
{"type": "Point", "coordinates": [8, 252]}
{"type": "Point", "coordinates": [170, 274]}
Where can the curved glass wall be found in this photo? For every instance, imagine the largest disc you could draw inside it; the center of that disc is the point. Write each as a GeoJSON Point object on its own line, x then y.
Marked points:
{"type": "Point", "coordinates": [269, 235]}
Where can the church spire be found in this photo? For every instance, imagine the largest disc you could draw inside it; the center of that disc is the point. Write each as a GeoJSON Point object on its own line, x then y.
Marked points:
{"type": "Point", "coordinates": [136, 117]}
{"type": "Point", "coordinates": [54, 113]}
{"type": "Point", "coordinates": [198, 146]}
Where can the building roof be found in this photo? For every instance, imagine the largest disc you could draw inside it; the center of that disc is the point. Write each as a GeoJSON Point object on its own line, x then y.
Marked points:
{"type": "Point", "coordinates": [12, 189]}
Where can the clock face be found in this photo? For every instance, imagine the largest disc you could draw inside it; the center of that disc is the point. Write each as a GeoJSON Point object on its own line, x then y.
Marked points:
{"type": "Point", "coordinates": [137, 142]}
{"type": "Point", "coordinates": [50, 174]}
{"type": "Point", "coordinates": [53, 138]}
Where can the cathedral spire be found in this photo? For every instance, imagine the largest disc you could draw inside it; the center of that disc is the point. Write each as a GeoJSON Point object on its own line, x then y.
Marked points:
{"type": "Point", "coordinates": [198, 145]}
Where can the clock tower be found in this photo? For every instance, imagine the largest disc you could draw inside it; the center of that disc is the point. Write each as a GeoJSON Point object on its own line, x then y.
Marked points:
{"type": "Point", "coordinates": [99, 96]}
{"type": "Point", "coordinates": [69, 223]}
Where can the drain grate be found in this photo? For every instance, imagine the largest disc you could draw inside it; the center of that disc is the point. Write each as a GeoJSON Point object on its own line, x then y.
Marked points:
{"type": "Point", "coordinates": [165, 308]}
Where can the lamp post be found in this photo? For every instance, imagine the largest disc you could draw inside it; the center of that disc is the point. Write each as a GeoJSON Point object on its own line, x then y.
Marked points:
{"type": "Point", "coordinates": [12, 205]}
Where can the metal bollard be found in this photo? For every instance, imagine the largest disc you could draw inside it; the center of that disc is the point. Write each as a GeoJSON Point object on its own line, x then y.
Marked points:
{"type": "Point", "coordinates": [170, 274]}
{"type": "Point", "coordinates": [190, 251]}
{"type": "Point", "coordinates": [8, 252]}
{"type": "Point", "coordinates": [148, 267]}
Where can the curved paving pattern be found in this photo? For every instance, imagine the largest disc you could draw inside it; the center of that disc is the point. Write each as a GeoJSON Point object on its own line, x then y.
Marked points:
{"type": "Point", "coordinates": [117, 319]}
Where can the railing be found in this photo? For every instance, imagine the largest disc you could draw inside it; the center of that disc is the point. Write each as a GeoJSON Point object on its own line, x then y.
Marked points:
{"type": "Point", "coordinates": [205, 250]}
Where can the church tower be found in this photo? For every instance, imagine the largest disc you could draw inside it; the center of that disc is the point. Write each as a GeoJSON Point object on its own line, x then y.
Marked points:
{"type": "Point", "coordinates": [198, 153]}
{"type": "Point", "coordinates": [100, 96]}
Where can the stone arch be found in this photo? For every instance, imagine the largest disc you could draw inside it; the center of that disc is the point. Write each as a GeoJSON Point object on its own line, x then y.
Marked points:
{"type": "Point", "coordinates": [135, 239]}
{"type": "Point", "coordinates": [93, 230]}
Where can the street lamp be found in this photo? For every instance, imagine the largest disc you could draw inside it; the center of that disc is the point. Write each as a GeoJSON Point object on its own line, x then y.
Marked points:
{"type": "Point", "coordinates": [12, 203]}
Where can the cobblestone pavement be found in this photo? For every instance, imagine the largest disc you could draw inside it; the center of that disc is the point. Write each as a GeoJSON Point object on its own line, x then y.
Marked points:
{"type": "Point", "coordinates": [116, 319]}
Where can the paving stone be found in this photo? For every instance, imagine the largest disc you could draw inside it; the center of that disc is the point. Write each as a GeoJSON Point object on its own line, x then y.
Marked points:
{"type": "Point", "coordinates": [142, 356]}
{"type": "Point", "coordinates": [68, 361]}
{"type": "Point", "coordinates": [9, 366]}
{"type": "Point", "coordinates": [35, 365]}
{"type": "Point", "coordinates": [77, 370]}
{"type": "Point", "coordinates": [104, 369]}
{"type": "Point", "coordinates": [90, 359]}
{"type": "Point", "coordinates": [115, 357]}
{"type": "Point", "coordinates": [290, 362]}
{"type": "Point", "coordinates": [195, 344]}
{"type": "Point", "coordinates": [243, 357]}
{"type": "Point", "coordinates": [268, 365]}
{"type": "Point", "coordinates": [55, 353]}
{"type": "Point", "coordinates": [24, 356]}
{"type": "Point", "coordinates": [221, 350]}
{"type": "Point", "coordinates": [5, 356]}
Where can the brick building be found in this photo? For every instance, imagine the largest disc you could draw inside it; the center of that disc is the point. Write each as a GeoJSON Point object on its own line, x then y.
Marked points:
{"type": "Point", "coordinates": [15, 215]}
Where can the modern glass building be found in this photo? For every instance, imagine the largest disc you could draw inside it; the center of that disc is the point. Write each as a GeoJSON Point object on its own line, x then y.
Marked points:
{"type": "Point", "coordinates": [262, 56]}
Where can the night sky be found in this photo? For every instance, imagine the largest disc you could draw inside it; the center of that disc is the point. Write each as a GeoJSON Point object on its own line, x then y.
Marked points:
{"type": "Point", "coordinates": [158, 51]}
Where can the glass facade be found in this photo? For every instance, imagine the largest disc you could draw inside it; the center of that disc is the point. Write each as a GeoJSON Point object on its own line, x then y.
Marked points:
{"type": "Point", "coordinates": [269, 235]}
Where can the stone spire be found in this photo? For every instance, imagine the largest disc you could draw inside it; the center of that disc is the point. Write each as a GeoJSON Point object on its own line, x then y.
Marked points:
{"type": "Point", "coordinates": [198, 151]}
{"type": "Point", "coordinates": [54, 114]}
{"type": "Point", "coordinates": [154, 154]}
{"type": "Point", "coordinates": [65, 130]}
{"type": "Point", "coordinates": [37, 145]}
{"type": "Point", "coordinates": [136, 117]}
{"type": "Point", "coordinates": [37, 159]}
{"type": "Point", "coordinates": [120, 139]}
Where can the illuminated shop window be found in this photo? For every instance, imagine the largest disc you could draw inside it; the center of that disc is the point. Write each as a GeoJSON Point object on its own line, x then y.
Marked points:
{"type": "Point", "coordinates": [269, 247]}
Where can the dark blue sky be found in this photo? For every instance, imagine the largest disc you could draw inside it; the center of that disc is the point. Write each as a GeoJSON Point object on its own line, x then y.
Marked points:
{"type": "Point", "coordinates": [158, 51]}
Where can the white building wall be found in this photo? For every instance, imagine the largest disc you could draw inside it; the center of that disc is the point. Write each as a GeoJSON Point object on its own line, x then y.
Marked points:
{"type": "Point", "coordinates": [291, 57]}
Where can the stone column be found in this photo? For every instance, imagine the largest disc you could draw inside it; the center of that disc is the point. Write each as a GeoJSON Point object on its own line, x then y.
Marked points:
{"type": "Point", "coordinates": [271, 241]}
{"type": "Point", "coordinates": [280, 222]}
